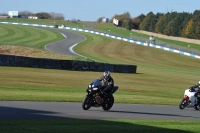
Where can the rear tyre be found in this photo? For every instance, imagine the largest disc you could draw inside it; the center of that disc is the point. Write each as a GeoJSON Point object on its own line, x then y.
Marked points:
{"type": "Point", "coordinates": [196, 107]}
{"type": "Point", "coordinates": [183, 104]}
{"type": "Point", "coordinates": [108, 103]}
{"type": "Point", "coordinates": [87, 103]}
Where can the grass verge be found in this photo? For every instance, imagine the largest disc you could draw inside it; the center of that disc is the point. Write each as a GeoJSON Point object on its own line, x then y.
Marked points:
{"type": "Point", "coordinates": [98, 126]}
{"type": "Point", "coordinates": [31, 84]}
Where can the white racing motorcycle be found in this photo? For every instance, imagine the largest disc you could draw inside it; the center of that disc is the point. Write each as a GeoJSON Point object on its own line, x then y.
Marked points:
{"type": "Point", "coordinates": [189, 100]}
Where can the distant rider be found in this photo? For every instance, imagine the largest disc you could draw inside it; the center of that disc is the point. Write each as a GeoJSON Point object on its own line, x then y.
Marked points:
{"type": "Point", "coordinates": [197, 94]}
{"type": "Point", "coordinates": [108, 83]}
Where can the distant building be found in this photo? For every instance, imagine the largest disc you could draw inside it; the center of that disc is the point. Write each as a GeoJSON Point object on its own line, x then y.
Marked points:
{"type": "Point", "coordinates": [23, 16]}
{"type": "Point", "coordinates": [13, 14]}
{"type": "Point", "coordinates": [105, 20]}
{"type": "Point", "coordinates": [32, 17]}
{"type": "Point", "coordinates": [115, 21]}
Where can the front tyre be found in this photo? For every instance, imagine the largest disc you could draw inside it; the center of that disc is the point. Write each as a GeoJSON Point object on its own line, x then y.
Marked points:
{"type": "Point", "coordinates": [87, 103]}
{"type": "Point", "coordinates": [108, 103]}
{"type": "Point", "coordinates": [183, 104]}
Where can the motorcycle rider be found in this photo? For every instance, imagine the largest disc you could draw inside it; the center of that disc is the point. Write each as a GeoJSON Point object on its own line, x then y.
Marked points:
{"type": "Point", "coordinates": [108, 83]}
{"type": "Point", "coordinates": [197, 94]}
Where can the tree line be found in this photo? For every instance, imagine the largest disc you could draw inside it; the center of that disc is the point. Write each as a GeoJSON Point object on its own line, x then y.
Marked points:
{"type": "Point", "coordinates": [181, 24]}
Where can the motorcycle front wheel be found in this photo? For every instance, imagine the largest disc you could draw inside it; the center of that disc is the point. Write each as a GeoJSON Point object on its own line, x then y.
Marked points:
{"type": "Point", "coordinates": [108, 103]}
{"type": "Point", "coordinates": [183, 104]}
{"type": "Point", "coordinates": [87, 103]}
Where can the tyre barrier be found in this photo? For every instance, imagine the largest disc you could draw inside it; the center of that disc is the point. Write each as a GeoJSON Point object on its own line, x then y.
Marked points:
{"type": "Point", "coordinates": [21, 61]}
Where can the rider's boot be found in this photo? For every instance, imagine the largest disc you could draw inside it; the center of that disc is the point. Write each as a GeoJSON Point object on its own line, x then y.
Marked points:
{"type": "Point", "coordinates": [197, 104]}
{"type": "Point", "coordinates": [198, 101]}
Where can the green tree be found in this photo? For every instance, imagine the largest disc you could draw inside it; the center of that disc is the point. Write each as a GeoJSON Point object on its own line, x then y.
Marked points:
{"type": "Point", "coordinates": [153, 22]}
{"type": "Point", "coordinates": [147, 23]}
{"type": "Point", "coordinates": [43, 15]}
{"type": "Point", "coordinates": [198, 30]}
{"type": "Point", "coordinates": [192, 33]}
{"type": "Point", "coordinates": [127, 24]}
{"type": "Point", "coordinates": [100, 19]}
{"type": "Point", "coordinates": [159, 28]}
{"type": "Point", "coordinates": [181, 20]}
{"type": "Point", "coordinates": [196, 15]}
{"type": "Point", "coordinates": [168, 30]}
{"type": "Point", "coordinates": [136, 21]}
{"type": "Point", "coordinates": [187, 29]}
{"type": "Point", "coordinates": [124, 20]}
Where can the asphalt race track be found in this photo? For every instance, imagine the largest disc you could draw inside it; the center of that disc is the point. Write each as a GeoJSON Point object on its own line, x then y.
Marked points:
{"type": "Point", "coordinates": [62, 47]}
{"type": "Point", "coordinates": [67, 110]}
{"type": "Point", "coordinates": [70, 110]}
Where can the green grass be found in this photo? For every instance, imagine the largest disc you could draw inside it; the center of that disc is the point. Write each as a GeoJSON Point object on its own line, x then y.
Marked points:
{"type": "Point", "coordinates": [152, 87]}
{"type": "Point", "coordinates": [109, 28]}
{"type": "Point", "coordinates": [27, 36]}
{"type": "Point", "coordinates": [98, 126]}
{"type": "Point", "coordinates": [103, 27]}
{"type": "Point", "coordinates": [160, 74]}
{"type": "Point", "coordinates": [161, 78]}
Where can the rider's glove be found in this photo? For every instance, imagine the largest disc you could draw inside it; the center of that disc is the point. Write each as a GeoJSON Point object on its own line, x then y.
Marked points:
{"type": "Point", "coordinates": [103, 92]}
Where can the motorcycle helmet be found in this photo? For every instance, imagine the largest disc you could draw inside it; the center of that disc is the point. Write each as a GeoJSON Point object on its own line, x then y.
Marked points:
{"type": "Point", "coordinates": [106, 74]}
{"type": "Point", "coordinates": [192, 89]}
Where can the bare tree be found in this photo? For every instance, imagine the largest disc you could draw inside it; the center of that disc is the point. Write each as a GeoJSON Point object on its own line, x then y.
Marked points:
{"type": "Point", "coordinates": [25, 13]}
{"type": "Point", "coordinates": [3, 14]}
{"type": "Point", "coordinates": [57, 16]}
{"type": "Point", "coordinates": [100, 19]}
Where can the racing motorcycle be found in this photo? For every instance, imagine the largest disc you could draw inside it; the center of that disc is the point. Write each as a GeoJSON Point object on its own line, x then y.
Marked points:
{"type": "Point", "coordinates": [189, 99]}
{"type": "Point", "coordinates": [95, 97]}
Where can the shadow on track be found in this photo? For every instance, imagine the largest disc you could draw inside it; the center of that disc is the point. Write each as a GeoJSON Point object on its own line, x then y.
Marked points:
{"type": "Point", "coordinates": [28, 120]}
{"type": "Point", "coordinates": [146, 113]}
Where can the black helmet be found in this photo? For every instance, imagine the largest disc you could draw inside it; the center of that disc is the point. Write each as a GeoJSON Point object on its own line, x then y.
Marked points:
{"type": "Point", "coordinates": [106, 74]}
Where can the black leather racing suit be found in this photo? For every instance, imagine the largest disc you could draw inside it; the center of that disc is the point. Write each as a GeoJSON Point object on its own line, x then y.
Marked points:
{"type": "Point", "coordinates": [197, 94]}
{"type": "Point", "coordinates": [108, 84]}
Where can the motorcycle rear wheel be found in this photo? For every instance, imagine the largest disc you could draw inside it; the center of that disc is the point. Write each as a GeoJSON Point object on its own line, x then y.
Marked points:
{"type": "Point", "coordinates": [196, 107]}
{"type": "Point", "coordinates": [87, 103]}
{"type": "Point", "coordinates": [183, 104]}
{"type": "Point", "coordinates": [108, 103]}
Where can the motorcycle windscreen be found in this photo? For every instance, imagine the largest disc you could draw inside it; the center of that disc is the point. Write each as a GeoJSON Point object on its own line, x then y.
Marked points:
{"type": "Point", "coordinates": [97, 83]}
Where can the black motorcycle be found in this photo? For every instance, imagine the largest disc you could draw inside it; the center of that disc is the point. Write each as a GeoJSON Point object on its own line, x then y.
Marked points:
{"type": "Point", "coordinates": [95, 97]}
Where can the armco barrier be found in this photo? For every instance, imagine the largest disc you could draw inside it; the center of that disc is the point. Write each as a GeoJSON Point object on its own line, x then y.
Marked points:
{"type": "Point", "coordinates": [111, 36]}
{"type": "Point", "coordinates": [20, 61]}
